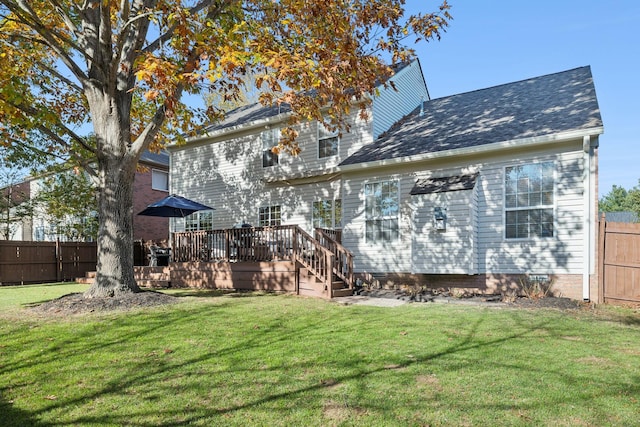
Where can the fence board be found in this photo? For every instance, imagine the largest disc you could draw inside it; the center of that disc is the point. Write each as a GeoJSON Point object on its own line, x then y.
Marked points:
{"type": "Point", "coordinates": [41, 262]}
{"type": "Point", "coordinates": [619, 262]}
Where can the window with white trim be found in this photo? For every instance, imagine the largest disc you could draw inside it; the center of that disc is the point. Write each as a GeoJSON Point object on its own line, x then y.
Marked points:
{"type": "Point", "coordinates": [327, 142]}
{"type": "Point", "coordinates": [159, 180]}
{"type": "Point", "coordinates": [269, 216]}
{"type": "Point", "coordinates": [199, 221]}
{"type": "Point", "coordinates": [382, 200]}
{"type": "Point", "coordinates": [529, 201]}
{"type": "Point", "coordinates": [327, 214]}
{"type": "Point", "coordinates": [270, 139]}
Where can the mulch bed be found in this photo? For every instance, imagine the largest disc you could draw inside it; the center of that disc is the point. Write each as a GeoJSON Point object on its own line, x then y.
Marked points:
{"type": "Point", "coordinates": [78, 304]}
{"type": "Point", "coordinates": [436, 296]}
{"type": "Point", "coordinates": [73, 304]}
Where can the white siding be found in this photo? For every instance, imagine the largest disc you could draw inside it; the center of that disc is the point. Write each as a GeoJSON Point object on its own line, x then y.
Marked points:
{"type": "Point", "coordinates": [308, 160]}
{"type": "Point", "coordinates": [448, 251]}
{"type": "Point", "coordinates": [229, 177]}
{"type": "Point", "coordinates": [561, 254]}
{"type": "Point", "coordinates": [391, 105]}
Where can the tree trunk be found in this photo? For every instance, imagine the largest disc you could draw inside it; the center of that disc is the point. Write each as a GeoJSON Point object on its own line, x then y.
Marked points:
{"type": "Point", "coordinates": [116, 171]}
{"type": "Point", "coordinates": [115, 233]}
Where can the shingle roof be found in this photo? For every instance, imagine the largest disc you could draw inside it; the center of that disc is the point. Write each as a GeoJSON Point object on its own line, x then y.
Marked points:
{"type": "Point", "coordinates": [254, 112]}
{"type": "Point", "coordinates": [621, 216]}
{"type": "Point", "coordinates": [539, 106]}
{"type": "Point", "coordinates": [160, 158]}
{"type": "Point", "coordinates": [443, 185]}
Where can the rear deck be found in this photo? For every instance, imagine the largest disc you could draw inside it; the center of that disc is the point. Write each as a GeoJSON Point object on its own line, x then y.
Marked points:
{"type": "Point", "coordinates": [280, 258]}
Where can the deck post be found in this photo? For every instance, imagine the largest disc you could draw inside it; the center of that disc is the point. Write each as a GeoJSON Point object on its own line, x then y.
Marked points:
{"type": "Point", "coordinates": [227, 245]}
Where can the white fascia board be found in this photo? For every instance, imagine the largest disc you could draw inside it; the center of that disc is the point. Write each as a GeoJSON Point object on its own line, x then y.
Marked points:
{"type": "Point", "coordinates": [480, 149]}
{"type": "Point", "coordinates": [228, 132]}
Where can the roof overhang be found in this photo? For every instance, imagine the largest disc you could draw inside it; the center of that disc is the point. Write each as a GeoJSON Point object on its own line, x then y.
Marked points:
{"type": "Point", "coordinates": [479, 149]}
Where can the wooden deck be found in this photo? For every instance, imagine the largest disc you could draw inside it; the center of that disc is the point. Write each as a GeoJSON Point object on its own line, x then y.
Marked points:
{"type": "Point", "coordinates": [281, 258]}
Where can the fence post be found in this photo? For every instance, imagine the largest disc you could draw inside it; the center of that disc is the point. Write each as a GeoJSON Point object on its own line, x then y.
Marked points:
{"type": "Point", "coordinates": [59, 267]}
{"type": "Point", "coordinates": [602, 236]}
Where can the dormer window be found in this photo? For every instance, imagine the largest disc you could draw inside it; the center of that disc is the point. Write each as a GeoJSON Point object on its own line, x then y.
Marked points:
{"type": "Point", "coordinates": [327, 142]}
{"type": "Point", "coordinates": [270, 139]}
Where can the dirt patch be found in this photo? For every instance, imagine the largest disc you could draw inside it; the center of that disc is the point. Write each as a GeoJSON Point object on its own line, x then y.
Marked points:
{"type": "Point", "coordinates": [77, 304]}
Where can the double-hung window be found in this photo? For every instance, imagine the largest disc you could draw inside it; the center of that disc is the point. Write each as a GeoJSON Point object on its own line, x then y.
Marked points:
{"type": "Point", "coordinates": [381, 211]}
{"type": "Point", "coordinates": [199, 221]}
{"type": "Point", "coordinates": [327, 214]}
{"type": "Point", "coordinates": [327, 142]}
{"type": "Point", "coordinates": [269, 216]}
{"type": "Point", "coordinates": [159, 180]}
{"type": "Point", "coordinates": [270, 139]}
{"type": "Point", "coordinates": [529, 201]}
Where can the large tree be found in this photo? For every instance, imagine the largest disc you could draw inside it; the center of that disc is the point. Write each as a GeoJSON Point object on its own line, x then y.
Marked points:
{"type": "Point", "coordinates": [620, 199]}
{"type": "Point", "coordinates": [123, 67]}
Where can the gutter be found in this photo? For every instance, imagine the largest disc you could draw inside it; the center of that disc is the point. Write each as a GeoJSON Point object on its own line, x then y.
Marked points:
{"type": "Point", "coordinates": [588, 148]}
{"type": "Point", "coordinates": [486, 148]}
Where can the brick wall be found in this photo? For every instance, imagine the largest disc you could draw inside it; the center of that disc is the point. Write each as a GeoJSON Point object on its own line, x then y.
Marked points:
{"type": "Point", "coordinates": [564, 285]}
{"type": "Point", "coordinates": [147, 227]}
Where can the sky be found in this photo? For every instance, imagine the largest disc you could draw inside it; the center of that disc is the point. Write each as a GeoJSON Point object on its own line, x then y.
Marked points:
{"type": "Point", "coordinates": [493, 42]}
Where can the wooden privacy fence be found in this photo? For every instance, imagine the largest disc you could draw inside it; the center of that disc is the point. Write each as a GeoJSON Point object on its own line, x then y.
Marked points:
{"type": "Point", "coordinates": [619, 262]}
{"type": "Point", "coordinates": [40, 262]}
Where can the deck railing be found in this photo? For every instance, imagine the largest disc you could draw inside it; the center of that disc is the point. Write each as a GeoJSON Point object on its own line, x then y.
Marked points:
{"type": "Point", "coordinates": [334, 234]}
{"type": "Point", "coordinates": [322, 255]}
{"type": "Point", "coordinates": [235, 244]}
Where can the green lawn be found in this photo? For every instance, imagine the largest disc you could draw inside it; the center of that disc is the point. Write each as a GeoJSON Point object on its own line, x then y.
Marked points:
{"type": "Point", "coordinates": [278, 360]}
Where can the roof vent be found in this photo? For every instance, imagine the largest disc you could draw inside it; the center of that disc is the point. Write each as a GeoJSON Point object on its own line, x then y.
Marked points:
{"type": "Point", "coordinates": [421, 106]}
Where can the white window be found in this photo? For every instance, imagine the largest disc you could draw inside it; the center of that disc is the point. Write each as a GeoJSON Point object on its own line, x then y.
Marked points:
{"type": "Point", "coordinates": [327, 214]}
{"type": "Point", "coordinates": [327, 142]}
{"type": "Point", "coordinates": [381, 211]}
{"type": "Point", "coordinates": [159, 180]}
{"type": "Point", "coordinates": [270, 139]}
{"type": "Point", "coordinates": [199, 221]}
{"type": "Point", "coordinates": [529, 201]}
{"type": "Point", "coordinates": [269, 216]}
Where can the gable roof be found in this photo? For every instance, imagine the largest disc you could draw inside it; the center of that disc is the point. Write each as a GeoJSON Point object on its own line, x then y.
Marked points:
{"type": "Point", "coordinates": [160, 158]}
{"type": "Point", "coordinates": [257, 112]}
{"type": "Point", "coordinates": [535, 107]}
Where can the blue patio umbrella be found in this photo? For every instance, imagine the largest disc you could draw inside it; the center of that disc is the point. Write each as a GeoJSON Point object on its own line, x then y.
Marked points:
{"type": "Point", "coordinates": [174, 206]}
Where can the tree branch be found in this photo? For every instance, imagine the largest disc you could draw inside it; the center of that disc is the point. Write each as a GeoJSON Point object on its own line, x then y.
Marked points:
{"type": "Point", "coordinates": [169, 33]}
{"type": "Point", "coordinates": [28, 17]}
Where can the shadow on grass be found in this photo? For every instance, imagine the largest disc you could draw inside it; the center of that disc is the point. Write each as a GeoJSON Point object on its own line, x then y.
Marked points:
{"type": "Point", "coordinates": [269, 334]}
{"type": "Point", "coordinates": [11, 416]}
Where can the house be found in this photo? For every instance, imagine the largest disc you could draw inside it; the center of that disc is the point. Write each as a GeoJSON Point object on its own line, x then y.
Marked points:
{"type": "Point", "coordinates": [624, 216]}
{"type": "Point", "coordinates": [13, 210]}
{"type": "Point", "coordinates": [151, 183]}
{"type": "Point", "coordinates": [479, 190]}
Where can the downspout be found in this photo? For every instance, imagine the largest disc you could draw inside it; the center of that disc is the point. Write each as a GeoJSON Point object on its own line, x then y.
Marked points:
{"type": "Point", "coordinates": [587, 149]}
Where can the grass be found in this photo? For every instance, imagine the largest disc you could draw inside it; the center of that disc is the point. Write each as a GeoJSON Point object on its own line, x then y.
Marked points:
{"type": "Point", "coordinates": [281, 361]}
{"type": "Point", "coordinates": [15, 297]}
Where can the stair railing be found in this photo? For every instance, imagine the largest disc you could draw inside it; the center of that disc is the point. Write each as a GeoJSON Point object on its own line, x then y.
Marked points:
{"type": "Point", "coordinates": [314, 257]}
{"type": "Point", "coordinates": [343, 265]}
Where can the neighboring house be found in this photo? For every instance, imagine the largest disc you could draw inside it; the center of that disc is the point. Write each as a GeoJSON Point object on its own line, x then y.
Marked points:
{"type": "Point", "coordinates": [14, 224]}
{"type": "Point", "coordinates": [474, 190]}
{"type": "Point", "coordinates": [626, 216]}
{"type": "Point", "coordinates": [151, 183]}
